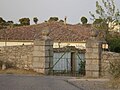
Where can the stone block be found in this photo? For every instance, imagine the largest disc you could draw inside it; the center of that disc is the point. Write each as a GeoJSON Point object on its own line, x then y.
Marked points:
{"type": "Point", "coordinates": [51, 61]}
{"type": "Point", "coordinates": [38, 53]}
{"type": "Point", "coordinates": [47, 48]}
{"type": "Point", "coordinates": [42, 65]}
{"type": "Point", "coordinates": [95, 67]}
{"type": "Point", "coordinates": [47, 65]}
{"type": "Point", "coordinates": [38, 65]}
{"type": "Point", "coordinates": [51, 53]}
{"type": "Point", "coordinates": [96, 50]}
{"type": "Point", "coordinates": [47, 59]}
{"type": "Point", "coordinates": [38, 42]}
{"type": "Point", "coordinates": [36, 59]}
{"type": "Point", "coordinates": [95, 74]}
{"type": "Point", "coordinates": [47, 71]}
{"type": "Point", "coordinates": [88, 73]}
{"type": "Point", "coordinates": [48, 53]}
{"type": "Point", "coordinates": [89, 62]}
{"type": "Point", "coordinates": [42, 53]}
{"type": "Point", "coordinates": [95, 62]}
{"type": "Point", "coordinates": [43, 71]}
{"type": "Point", "coordinates": [92, 56]}
{"type": "Point", "coordinates": [38, 48]}
{"type": "Point", "coordinates": [40, 70]}
{"type": "Point", "coordinates": [49, 42]}
{"type": "Point", "coordinates": [92, 67]}
{"type": "Point", "coordinates": [95, 45]}
{"type": "Point", "coordinates": [43, 42]}
{"type": "Point", "coordinates": [92, 44]}
{"type": "Point", "coordinates": [42, 59]}
{"type": "Point", "coordinates": [89, 50]}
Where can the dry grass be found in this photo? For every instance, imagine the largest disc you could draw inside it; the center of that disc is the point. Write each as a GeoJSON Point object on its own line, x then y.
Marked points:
{"type": "Point", "coordinates": [18, 71]}
{"type": "Point", "coordinates": [114, 83]}
{"type": "Point", "coordinates": [114, 71]}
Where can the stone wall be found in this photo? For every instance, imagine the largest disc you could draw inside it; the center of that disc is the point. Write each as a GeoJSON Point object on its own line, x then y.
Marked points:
{"type": "Point", "coordinates": [107, 58]}
{"type": "Point", "coordinates": [21, 56]}
{"type": "Point", "coordinates": [38, 57]}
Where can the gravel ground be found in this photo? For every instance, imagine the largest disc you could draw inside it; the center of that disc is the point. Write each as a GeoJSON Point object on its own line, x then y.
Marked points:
{"type": "Point", "coordinates": [22, 82]}
{"type": "Point", "coordinates": [91, 84]}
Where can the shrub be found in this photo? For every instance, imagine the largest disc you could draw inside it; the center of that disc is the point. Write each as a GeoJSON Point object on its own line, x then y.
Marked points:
{"type": "Point", "coordinates": [82, 68]}
{"type": "Point", "coordinates": [8, 64]}
{"type": "Point", "coordinates": [114, 44]}
{"type": "Point", "coordinates": [1, 63]}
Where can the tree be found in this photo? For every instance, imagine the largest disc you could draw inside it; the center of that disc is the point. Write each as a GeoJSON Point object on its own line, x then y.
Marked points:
{"type": "Point", "coordinates": [107, 13]}
{"type": "Point", "coordinates": [53, 19]}
{"type": "Point", "coordinates": [84, 20]}
{"type": "Point", "coordinates": [61, 21]}
{"type": "Point", "coordinates": [16, 25]}
{"type": "Point", "coordinates": [24, 21]}
{"type": "Point", "coordinates": [97, 21]}
{"type": "Point", "coordinates": [9, 23]}
{"type": "Point", "coordinates": [35, 19]}
{"type": "Point", "coordinates": [2, 21]}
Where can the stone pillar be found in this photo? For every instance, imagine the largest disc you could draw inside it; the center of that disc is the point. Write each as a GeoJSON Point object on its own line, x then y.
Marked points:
{"type": "Point", "coordinates": [93, 57]}
{"type": "Point", "coordinates": [93, 53]}
{"type": "Point", "coordinates": [43, 53]}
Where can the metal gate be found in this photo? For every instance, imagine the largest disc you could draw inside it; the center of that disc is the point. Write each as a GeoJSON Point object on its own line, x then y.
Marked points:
{"type": "Point", "coordinates": [69, 61]}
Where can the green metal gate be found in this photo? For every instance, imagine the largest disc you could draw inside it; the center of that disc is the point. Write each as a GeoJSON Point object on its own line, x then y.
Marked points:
{"type": "Point", "coordinates": [68, 61]}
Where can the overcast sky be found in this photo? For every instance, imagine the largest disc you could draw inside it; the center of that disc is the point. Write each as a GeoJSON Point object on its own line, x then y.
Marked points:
{"type": "Point", "coordinates": [43, 9]}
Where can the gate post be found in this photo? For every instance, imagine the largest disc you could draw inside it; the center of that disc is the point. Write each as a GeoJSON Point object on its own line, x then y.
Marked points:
{"type": "Point", "coordinates": [73, 63]}
{"type": "Point", "coordinates": [93, 56]}
{"type": "Point", "coordinates": [43, 53]}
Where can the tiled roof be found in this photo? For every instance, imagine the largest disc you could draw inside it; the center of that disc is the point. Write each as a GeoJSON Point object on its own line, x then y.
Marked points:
{"type": "Point", "coordinates": [58, 32]}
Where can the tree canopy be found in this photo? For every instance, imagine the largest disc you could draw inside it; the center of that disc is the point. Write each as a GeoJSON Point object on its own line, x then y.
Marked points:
{"type": "Point", "coordinates": [24, 21]}
{"type": "Point", "coordinates": [107, 11]}
{"type": "Point", "coordinates": [35, 19]}
{"type": "Point", "coordinates": [84, 20]}
{"type": "Point", "coordinates": [53, 19]}
{"type": "Point", "coordinates": [106, 14]}
{"type": "Point", "coordinates": [2, 20]}
{"type": "Point", "coordinates": [5, 24]}
{"type": "Point", "coordinates": [61, 21]}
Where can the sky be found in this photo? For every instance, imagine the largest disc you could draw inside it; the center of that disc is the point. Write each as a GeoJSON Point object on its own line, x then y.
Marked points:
{"type": "Point", "coordinates": [43, 9]}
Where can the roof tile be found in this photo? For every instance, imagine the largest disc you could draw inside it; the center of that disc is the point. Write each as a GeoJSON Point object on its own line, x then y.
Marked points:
{"type": "Point", "coordinates": [58, 32]}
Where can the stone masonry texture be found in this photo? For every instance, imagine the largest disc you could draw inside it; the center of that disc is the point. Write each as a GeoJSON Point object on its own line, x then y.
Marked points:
{"type": "Point", "coordinates": [21, 56]}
